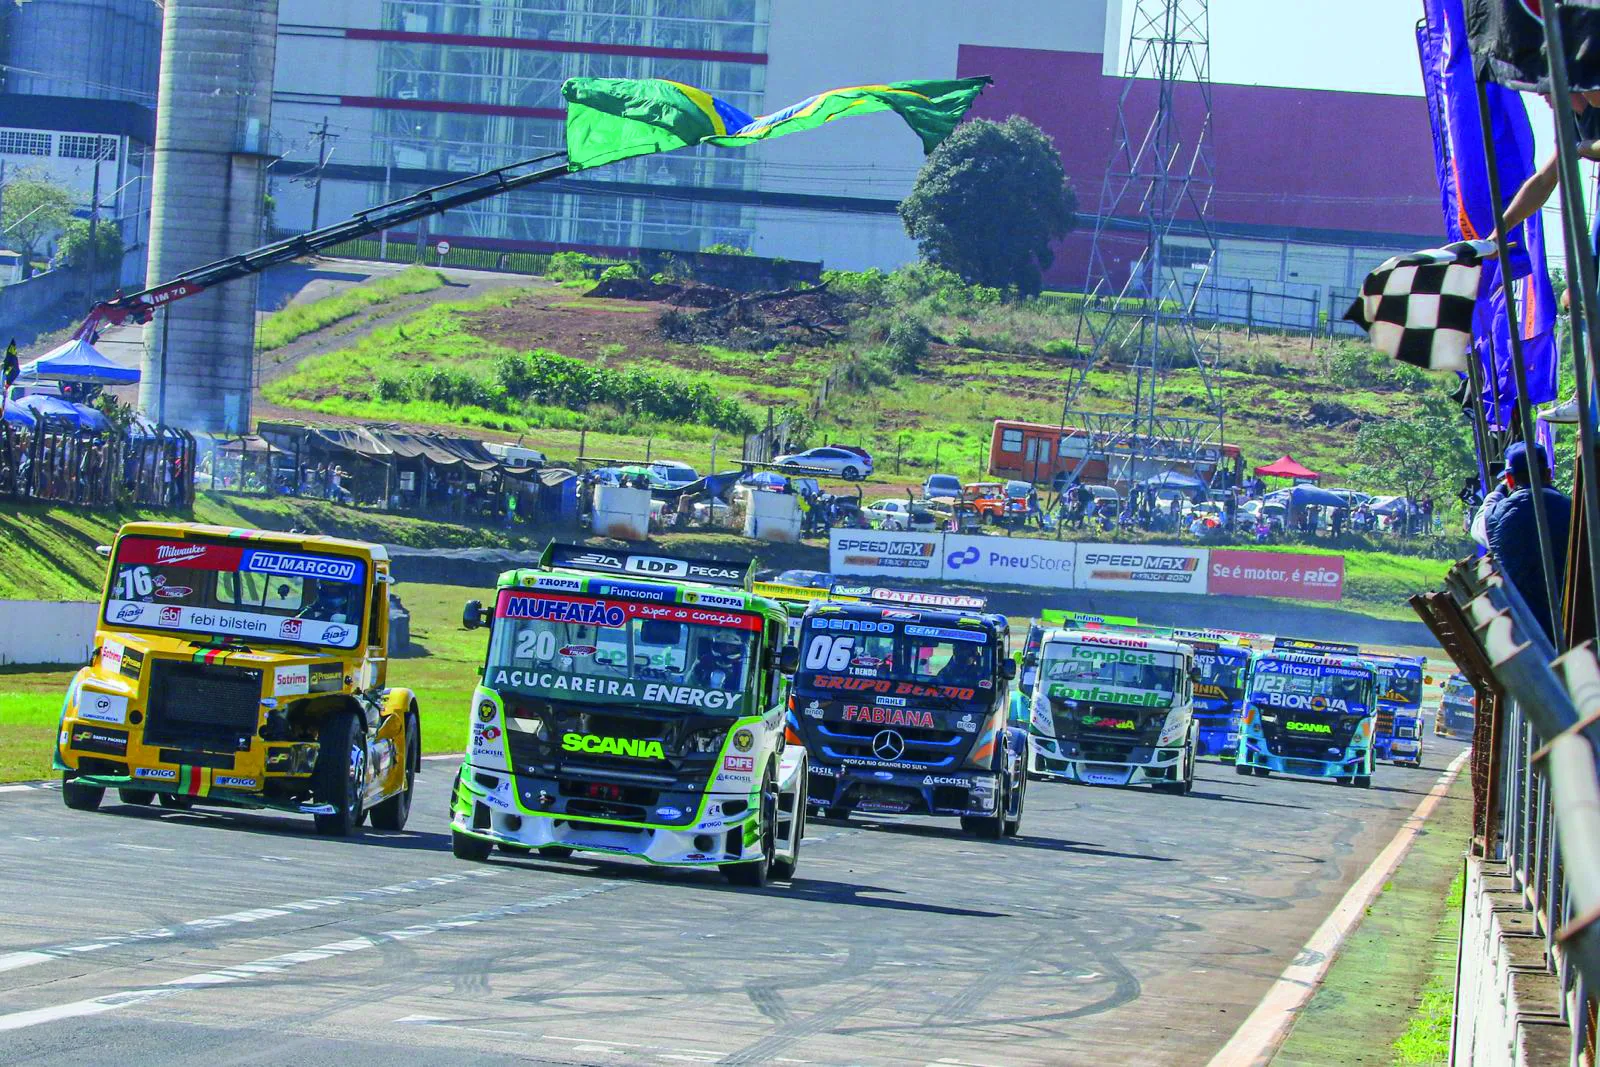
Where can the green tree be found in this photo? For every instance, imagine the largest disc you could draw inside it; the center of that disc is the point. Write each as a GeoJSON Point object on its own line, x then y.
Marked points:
{"type": "Point", "coordinates": [1415, 453]}
{"type": "Point", "coordinates": [32, 208]}
{"type": "Point", "coordinates": [73, 250]}
{"type": "Point", "coordinates": [988, 203]}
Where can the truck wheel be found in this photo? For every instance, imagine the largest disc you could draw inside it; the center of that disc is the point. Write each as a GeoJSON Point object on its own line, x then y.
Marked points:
{"type": "Point", "coordinates": [391, 814]}
{"type": "Point", "coordinates": [339, 774]}
{"type": "Point", "coordinates": [1013, 826]}
{"type": "Point", "coordinates": [80, 797]}
{"type": "Point", "coordinates": [1261, 772]}
{"type": "Point", "coordinates": [555, 852]}
{"type": "Point", "coordinates": [784, 868]}
{"type": "Point", "coordinates": [175, 801]}
{"type": "Point", "coordinates": [837, 811]}
{"type": "Point", "coordinates": [1242, 768]}
{"type": "Point", "coordinates": [513, 850]}
{"type": "Point", "coordinates": [1362, 781]}
{"type": "Point", "coordinates": [753, 874]}
{"type": "Point", "coordinates": [466, 847]}
{"type": "Point", "coordinates": [136, 797]}
{"type": "Point", "coordinates": [1184, 784]}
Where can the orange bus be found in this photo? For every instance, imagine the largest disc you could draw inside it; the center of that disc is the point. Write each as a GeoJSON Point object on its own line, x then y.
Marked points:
{"type": "Point", "coordinates": [1045, 454]}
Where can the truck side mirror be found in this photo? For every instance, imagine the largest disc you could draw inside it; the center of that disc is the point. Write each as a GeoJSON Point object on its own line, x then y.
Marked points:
{"type": "Point", "coordinates": [474, 615]}
{"type": "Point", "coordinates": [104, 550]}
{"type": "Point", "coordinates": [789, 659]}
{"type": "Point", "coordinates": [1008, 669]}
{"type": "Point", "coordinates": [1195, 675]}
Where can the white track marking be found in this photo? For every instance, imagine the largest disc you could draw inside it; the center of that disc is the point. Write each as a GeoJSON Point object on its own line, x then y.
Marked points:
{"type": "Point", "coordinates": [15, 960]}
{"type": "Point", "coordinates": [1259, 1036]}
{"type": "Point", "coordinates": [271, 965]}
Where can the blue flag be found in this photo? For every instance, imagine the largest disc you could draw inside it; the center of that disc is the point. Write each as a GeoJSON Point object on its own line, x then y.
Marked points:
{"type": "Point", "coordinates": [1447, 76]}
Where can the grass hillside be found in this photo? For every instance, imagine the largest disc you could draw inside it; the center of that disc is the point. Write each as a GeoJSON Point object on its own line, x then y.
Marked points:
{"type": "Point", "coordinates": [921, 366]}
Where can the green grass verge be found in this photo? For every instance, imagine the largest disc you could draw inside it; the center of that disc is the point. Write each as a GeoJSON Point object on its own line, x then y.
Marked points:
{"type": "Point", "coordinates": [1388, 995]}
{"type": "Point", "coordinates": [441, 665]}
{"type": "Point", "coordinates": [282, 327]}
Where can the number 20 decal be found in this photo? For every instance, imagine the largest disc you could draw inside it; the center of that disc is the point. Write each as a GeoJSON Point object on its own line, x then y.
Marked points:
{"type": "Point", "coordinates": [827, 652]}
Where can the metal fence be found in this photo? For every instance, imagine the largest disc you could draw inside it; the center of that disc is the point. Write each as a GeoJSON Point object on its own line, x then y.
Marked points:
{"type": "Point", "coordinates": [1536, 789]}
{"type": "Point", "coordinates": [1256, 305]}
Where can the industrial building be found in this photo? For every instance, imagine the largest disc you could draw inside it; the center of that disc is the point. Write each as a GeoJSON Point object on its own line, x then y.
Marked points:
{"type": "Point", "coordinates": [393, 94]}
{"type": "Point", "coordinates": [77, 96]}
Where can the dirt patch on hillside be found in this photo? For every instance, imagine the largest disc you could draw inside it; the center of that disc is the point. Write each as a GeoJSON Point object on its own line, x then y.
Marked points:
{"type": "Point", "coordinates": [685, 295]}
{"type": "Point", "coordinates": [760, 322]}
{"type": "Point", "coordinates": [558, 323]}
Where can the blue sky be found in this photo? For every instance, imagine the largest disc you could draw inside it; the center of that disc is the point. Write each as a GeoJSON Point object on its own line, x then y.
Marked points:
{"type": "Point", "coordinates": [1361, 45]}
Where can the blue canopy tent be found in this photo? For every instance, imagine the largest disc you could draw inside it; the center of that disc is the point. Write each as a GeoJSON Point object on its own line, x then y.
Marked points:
{"type": "Point", "coordinates": [1306, 495]}
{"type": "Point", "coordinates": [78, 361]}
{"type": "Point", "coordinates": [53, 407]}
{"type": "Point", "coordinates": [765, 480]}
{"type": "Point", "coordinates": [19, 416]}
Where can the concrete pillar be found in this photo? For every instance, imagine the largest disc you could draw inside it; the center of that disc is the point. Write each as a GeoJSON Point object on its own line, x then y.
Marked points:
{"type": "Point", "coordinates": [212, 118]}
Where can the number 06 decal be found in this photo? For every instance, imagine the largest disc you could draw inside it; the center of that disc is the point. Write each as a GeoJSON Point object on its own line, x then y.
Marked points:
{"type": "Point", "coordinates": [827, 652]}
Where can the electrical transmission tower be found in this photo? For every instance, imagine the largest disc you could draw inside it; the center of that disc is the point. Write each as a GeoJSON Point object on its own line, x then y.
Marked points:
{"type": "Point", "coordinates": [1155, 208]}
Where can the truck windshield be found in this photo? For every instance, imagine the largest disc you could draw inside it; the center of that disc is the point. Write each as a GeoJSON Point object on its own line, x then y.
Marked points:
{"type": "Point", "coordinates": [941, 664]}
{"type": "Point", "coordinates": [1310, 686]}
{"type": "Point", "coordinates": [1091, 672]}
{"type": "Point", "coordinates": [1221, 668]}
{"type": "Point", "coordinates": [1400, 684]}
{"type": "Point", "coordinates": [229, 589]}
{"type": "Point", "coordinates": [594, 650]}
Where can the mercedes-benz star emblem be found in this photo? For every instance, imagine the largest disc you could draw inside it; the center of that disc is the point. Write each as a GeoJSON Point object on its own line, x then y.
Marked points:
{"type": "Point", "coordinates": [888, 745]}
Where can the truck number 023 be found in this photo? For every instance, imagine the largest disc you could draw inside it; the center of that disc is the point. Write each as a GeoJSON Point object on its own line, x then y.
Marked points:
{"type": "Point", "coordinates": [827, 652]}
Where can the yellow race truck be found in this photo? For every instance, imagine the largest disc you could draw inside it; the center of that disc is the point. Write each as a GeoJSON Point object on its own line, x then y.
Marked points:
{"type": "Point", "coordinates": [242, 668]}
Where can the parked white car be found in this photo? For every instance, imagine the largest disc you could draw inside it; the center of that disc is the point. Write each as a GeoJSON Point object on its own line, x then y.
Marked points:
{"type": "Point", "coordinates": [893, 514]}
{"type": "Point", "coordinates": [840, 462]}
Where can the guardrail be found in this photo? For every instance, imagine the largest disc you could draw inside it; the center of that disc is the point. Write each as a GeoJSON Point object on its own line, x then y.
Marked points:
{"type": "Point", "coordinates": [1536, 828]}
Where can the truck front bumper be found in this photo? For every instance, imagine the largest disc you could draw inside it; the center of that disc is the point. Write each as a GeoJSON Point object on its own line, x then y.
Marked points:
{"type": "Point", "coordinates": [485, 806]}
{"type": "Point", "coordinates": [1255, 753]}
{"type": "Point", "coordinates": [904, 791]}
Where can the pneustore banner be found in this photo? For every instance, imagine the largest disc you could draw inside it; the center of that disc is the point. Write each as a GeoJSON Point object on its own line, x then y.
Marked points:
{"type": "Point", "coordinates": [1010, 561]}
{"type": "Point", "coordinates": [1142, 568]}
{"type": "Point", "coordinates": [1235, 572]}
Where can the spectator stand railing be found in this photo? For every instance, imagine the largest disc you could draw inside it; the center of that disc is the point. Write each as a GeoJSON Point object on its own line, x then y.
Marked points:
{"type": "Point", "coordinates": [1536, 789]}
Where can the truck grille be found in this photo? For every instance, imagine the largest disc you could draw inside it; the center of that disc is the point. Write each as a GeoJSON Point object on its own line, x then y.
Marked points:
{"type": "Point", "coordinates": [202, 706]}
{"type": "Point", "coordinates": [1385, 725]}
{"type": "Point", "coordinates": [923, 748]}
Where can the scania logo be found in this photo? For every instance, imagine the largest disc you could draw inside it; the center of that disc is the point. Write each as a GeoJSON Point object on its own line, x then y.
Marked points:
{"type": "Point", "coordinates": [888, 745]}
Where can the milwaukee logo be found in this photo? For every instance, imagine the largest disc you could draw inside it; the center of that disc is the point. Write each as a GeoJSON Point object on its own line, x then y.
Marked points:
{"type": "Point", "coordinates": [178, 553]}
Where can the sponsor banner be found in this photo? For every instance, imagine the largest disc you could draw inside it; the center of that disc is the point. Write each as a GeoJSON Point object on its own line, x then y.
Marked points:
{"type": "Point", "coordinates": [102, 707]}
{"type": "Point", "coordinates": [1237, 572]}
{"type": "Point", "coordinates": [1142, 568]}
{"type": "Point", "coordinates": [246, 624]}
{"type": "Point", "coordinates": [206, 556]}
{"type": "Point", "coordinates": [100, 739]}
{"type": "Point", "coordinates": [880, 552]}
{"type": "Point", "coordinates": [1009, 561]}
{"type": "Point", "coordinates": [590, 611]}
{"type": "Point", "coordinates": [614, 690]}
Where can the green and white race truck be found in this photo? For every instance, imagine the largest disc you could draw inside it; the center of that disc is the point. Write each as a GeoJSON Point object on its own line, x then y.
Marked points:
{"type": "Point", "coordinates": [633, 705]}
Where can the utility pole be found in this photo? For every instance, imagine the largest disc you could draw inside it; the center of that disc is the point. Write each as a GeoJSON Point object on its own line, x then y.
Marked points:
{"type": "Point", "coordinates": [94, 220]}
{"type": "Point", "coordinates": [323, 136]}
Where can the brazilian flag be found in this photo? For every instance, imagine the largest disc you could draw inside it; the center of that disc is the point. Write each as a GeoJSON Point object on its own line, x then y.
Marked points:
{"type": "Point", "coordinates": [614, 118]}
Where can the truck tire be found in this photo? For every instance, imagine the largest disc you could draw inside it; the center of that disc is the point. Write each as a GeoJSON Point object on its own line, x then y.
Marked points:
{"type": "Point", "coordinates": [1362, 781]}
{"type": "Point", "coordinates": [837, 811]}
{"type": "Point", "coordinates": [1184, 785]}
{"type": "Point", "coordinates": [555, 852]}
{"type": "Point", "coordinates": [136, 797]}
{"type": "Point", "coordinates": [466, 847]}
{"type": "Point", "coordinates": [753, 874]}
{"type": "Point", "coordinates": [513, 850]}
{"type": "Point", "coordinates": [175, 801]}
{"type": "Point", "coordinates": [1242, 768]}
{"type": "Point", "coordinates": [80, 797]}
{"type": "Point", "coordinates": [783, 869]}
{"type": "Point", "coordinates": [1013, 827]}
{"type": "Point", "coordinates": [1261, 772]}
{"type": "Point", "coordinates": [339, 774]}
{"type": "Point", "coordinates": [391, 814]}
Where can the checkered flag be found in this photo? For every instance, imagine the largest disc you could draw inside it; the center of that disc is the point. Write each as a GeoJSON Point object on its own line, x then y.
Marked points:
{"type": "Point", "coordinates": [1418, 307]}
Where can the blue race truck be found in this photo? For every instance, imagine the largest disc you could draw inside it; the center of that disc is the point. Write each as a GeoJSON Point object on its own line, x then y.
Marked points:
{"type": "Point", "coordinates": [1458, 710]}
{"type": "Point", "coordinates": [1309, 715]}
{"type": "Point", "coordinates": [1398, 736]}
{"type": "Point", "coordinates": [1219, 696]}
{"type": "Point", "coordinates": [905, 709]}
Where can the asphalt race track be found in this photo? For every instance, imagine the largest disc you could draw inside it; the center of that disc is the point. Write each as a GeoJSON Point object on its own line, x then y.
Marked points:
{"type": "Point", "coordinates": [1122, 927]}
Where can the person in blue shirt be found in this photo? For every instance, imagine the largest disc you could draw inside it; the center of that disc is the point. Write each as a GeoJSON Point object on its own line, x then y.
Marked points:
{"type": "Point", "coordinates": [1505, 525]}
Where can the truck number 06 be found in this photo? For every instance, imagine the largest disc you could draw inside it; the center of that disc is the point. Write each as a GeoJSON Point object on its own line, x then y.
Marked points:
{"type": "Point", "coordinates": [826, 652]}
{"type": "Point", "coordinates": [134, 582]}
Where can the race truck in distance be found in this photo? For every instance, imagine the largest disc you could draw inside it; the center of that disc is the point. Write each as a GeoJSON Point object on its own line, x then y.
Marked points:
{"type": "Point", "coordinates": [1218, 696]}
{"type": "Point", "coordinates": [1118, 709]}
{"type": "Point", "coordinates": [1397, 735]}
{"type": "Point", "coordinates": [242, 668]}
{"type": "Point", "coordinates": [904, 709]}
{"type": "Point", "coordinates": [795, 599]}
{"type": "Point", "coordinates": [1458, 709]}
{"type": "Point", "coordinates": [633, 705]}
{"type": "Point", "coordinates": [1309, 715]}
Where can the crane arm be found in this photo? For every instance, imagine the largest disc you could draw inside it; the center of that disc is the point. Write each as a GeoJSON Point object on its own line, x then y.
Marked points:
{"type": "Point", "coordinates": [141, 306]}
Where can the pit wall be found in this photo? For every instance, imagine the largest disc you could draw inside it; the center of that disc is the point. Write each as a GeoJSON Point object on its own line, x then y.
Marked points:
{"type": "Point", "coordinates": [40, 631]}
{"type": "Point", "coordinates": [1506, 1007]}
{"type": "Point", "coordinates": [1091, 567]}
